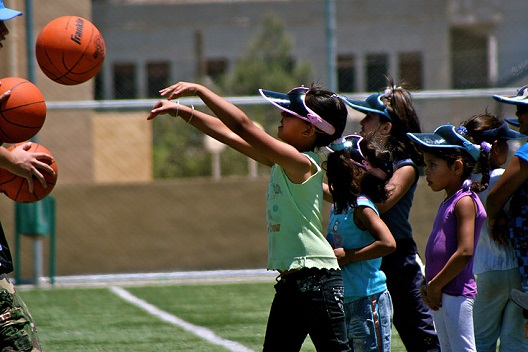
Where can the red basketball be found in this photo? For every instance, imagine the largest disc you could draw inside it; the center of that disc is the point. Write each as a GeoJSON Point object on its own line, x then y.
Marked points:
{"type": "Point", "coordinates": [16, 187]}
{"type": "Point", "coordinates": [23, 113]}
{"type": "Point", "coordinates": [70, 50]}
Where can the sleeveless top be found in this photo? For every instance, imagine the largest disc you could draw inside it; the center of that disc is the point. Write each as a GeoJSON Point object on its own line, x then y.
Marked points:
{"type": "Point", "coordinates": [518, 211]}
{"type": "Point", "coordinates": [488, 254]}
{"type": "Point", "coordinates": [294, 221]}
{"type": "Point", "coordinates": [397, 217]}
{"type": "Point", "coordinates": [442, 244]}
{"type": "Point", "coordinates": [363, 278]}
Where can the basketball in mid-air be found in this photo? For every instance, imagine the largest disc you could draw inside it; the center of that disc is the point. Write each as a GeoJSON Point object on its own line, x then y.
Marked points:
{"type": "Point", "coordinates": [17, 188]}
{"type": "Point", "coordinates": [70, 50]}
{"type": "Point", "coordinates": [23, 113]}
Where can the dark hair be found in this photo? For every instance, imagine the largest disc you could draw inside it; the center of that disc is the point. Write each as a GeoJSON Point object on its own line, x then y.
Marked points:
{"type": "Point", "coordinates": [450, 155]}
{"type": "Point", "coordinates": [331, 108]}
{"type": "Point", "coordinates": [400, 106]}
{"type": "Point", "coordinates": [347, 180]}
{"type": "Point", "coordinates": [477, 124]}
{"type": "Point", "coordinates": [473, 131]}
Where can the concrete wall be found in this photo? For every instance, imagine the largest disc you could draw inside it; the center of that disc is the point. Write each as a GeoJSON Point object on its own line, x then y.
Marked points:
{"type": "Point", "coordinates": [193, 224]}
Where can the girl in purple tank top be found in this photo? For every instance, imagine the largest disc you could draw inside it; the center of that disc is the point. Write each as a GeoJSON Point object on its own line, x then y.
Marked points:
{"type": "Point", "coordinates": [450, 287]}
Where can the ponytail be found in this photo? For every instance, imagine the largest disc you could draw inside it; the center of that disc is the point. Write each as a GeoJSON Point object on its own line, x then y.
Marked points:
{"type": "Point", "coordinates": [484, 167]}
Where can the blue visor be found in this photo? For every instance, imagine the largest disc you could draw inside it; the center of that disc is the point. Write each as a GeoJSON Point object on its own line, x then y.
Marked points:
{"type": "Point", "coordinates": [512, 121]}
{"type": "Point", "coordinates": [445, 136]}
{"type": "Point", "coordinates": [7, 14]}
{"type": "Point", "coordinates": [373, 104]}
{"type": "Point", "coordinates": [294, 103]}
{"type": "Point", "coordinates": [521, 98]}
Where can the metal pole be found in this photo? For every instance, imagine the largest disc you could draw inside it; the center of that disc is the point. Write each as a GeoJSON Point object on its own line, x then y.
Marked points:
{"type": "Point", "coordinates": [37, 259]}
{"type": "Point", "coordinates": [217, 172]}
{"type": "Point", "coordinates": [331, 56]}
{"type": "Point", "coordinates": [30, 45]}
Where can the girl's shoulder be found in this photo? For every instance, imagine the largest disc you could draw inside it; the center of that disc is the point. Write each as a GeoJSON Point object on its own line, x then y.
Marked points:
{"type": "Point", "coordinates": [400, 163]}
{"type": "Point", "coordinates": [365, 201]}
{"type": "Point", "coordinates": [522, 152]}
{"type": "Point", "coordinates": [313, 157]}
{"type": "Point", "coordinates": [404, 162]}
{"type": "Point", "coordinates": [470, 198]}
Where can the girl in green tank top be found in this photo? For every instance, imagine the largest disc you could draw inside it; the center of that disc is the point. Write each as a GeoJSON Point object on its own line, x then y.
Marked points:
{"type": "Point", "coordinates": [309, 289]}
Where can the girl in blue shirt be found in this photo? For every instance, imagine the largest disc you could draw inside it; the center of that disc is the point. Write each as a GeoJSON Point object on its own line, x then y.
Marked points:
{"type": "Point", "coordinates": [360, 238]}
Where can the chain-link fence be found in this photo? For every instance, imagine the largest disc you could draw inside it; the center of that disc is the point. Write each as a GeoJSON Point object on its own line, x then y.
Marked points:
{"type": "Point", "coordinates": [138, 195]}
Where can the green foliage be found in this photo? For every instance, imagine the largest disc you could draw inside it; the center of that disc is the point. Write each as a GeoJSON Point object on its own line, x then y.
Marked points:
{"type": "Point", "coordinates": [179, 152]}
{"type": "Point", "coordinates": [268, 63]}
{"type": "Point", "coordinates": [178, 149]}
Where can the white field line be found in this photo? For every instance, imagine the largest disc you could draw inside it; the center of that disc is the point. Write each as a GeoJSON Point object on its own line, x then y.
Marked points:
{"type": "Point", "coordinates": [199, 331]}
{"type": "Point", "coordinates": [140, 279]}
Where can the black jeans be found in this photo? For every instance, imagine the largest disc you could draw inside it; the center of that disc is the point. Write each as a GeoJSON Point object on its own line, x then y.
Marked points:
{"type": "Point", "coordinates": [307, 302]}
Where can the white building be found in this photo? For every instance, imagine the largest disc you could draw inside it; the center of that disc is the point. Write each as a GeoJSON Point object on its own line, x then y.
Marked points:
{"type": "Point", "coordinates": [433, 45]}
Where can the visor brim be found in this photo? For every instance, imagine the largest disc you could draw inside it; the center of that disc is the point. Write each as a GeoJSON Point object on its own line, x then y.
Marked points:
{"type": "Point", "coordinates": [7, 14]}
{"type": "Point", "coordinates": [515, 100]}
{"type": "Point", "coordinates": [512, 121]}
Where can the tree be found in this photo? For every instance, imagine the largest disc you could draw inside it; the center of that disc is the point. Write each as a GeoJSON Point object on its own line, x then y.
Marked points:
{"type": "Point", "coordinates": [268, 63]}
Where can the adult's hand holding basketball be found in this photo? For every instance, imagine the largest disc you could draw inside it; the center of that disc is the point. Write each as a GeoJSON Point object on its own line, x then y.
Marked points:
{"type": "Point", "coordinates": [4, 95]}
{"type": "Point", "coordinates": [26, 164]}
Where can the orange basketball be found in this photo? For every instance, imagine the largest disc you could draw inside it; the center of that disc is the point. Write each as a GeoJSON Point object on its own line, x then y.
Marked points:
{"type": "Point", "coordinates": [70, 50]}
{"type": "Point", "coordinates": [16, 187]}
{"type": "Point", "coordinates": [23, 113]}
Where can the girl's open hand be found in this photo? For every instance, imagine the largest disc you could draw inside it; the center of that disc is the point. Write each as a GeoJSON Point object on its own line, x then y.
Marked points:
{"type": "Point", "coordinates": [163, 107]}
{"type": "Point", "coordinates": [180, 89]}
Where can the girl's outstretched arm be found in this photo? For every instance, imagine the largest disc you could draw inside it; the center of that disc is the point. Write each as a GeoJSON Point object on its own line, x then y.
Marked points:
{"type": "Point", "coordinates": [383, 244]}
{"type": "Point", "coordinates": [296, 165]}
{"type": "Point", "coordinates": [209, 125]}
{"type": "Point", "coordinates": [465, 212]}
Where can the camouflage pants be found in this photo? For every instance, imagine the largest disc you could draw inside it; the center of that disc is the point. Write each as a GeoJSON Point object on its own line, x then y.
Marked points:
{"type": "Point", "coordinates": [17, 330]}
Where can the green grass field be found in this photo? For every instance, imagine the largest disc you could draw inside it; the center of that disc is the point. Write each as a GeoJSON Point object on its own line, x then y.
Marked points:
{"type": "Point", "coordinates": [98, 319]}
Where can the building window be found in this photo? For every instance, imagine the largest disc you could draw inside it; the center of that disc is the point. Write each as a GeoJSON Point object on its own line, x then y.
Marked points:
{"type": "Point", "coordinates": [411, 69]}
{"type": "Point", "coordinates": [469, 59]}
{"type": "Point", "coordinates": [158, 76]}
{"type": "Point", "coordinates": [346, 73]}
{"type": "Point", "coordinates": [99, 91]}
{"type": "Point", "coordinates": [125, 81]}
{"type": "Point", "coordinates": [215, 68]}
{"type": "Point", "coordinates": [377, 71]}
